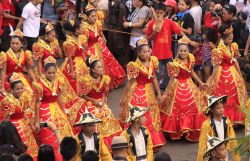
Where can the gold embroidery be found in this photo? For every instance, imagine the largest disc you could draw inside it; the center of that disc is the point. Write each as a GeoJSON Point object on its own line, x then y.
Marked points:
{"type": "Point", "coordinates": [12, 55]}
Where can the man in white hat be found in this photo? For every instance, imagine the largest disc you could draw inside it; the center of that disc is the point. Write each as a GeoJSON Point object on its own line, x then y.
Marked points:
{"type": "Point", "coordinates": [217, 125]}
{"type": "Point", "coordinates": [138, 136]}
{"type": "Point", "coordinates": [216, 150]}
{"type": "Point", "coordinates": [89, 139]}
{"type": "Point", "coordinates": [120, 148]}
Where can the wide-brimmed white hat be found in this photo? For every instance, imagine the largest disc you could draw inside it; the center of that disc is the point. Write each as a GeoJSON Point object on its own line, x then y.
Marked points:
{"type": "Point", "coordinates": [136, 112]}
{"type": "Point", "coordinates": [87, 118]}
{"type": "Point", "coordinates": [212, 143]}
{"type": "Point", "coordinates": [212, 100]}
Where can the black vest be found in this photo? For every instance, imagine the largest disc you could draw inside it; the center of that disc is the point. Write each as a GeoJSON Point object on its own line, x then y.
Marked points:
{"type": "Point", "coordinates": [83, 144]}
{"type": "Point", "coordinates": [212, 124]}
{"type": "Point", "coordinates": [132, 139]}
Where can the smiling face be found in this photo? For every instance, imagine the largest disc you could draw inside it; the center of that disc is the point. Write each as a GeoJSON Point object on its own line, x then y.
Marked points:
{"type": "Point", "coordinates": [18, 89]}
{"type": "Point", "coordinates": [15, 44]}
{"type": "Point", "coordinates": [183, 51]}
{"type": "Point", "coordinates": [92, 17]}
{"type": "Point", "coordinates": [228, 40]}
{"type": "Point", "coordinates": [50, 73]}
{"type": "Point", "coordinates": [98, 68]}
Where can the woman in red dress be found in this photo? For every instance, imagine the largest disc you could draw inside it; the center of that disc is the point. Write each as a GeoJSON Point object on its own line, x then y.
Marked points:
{"type": "Point", "coordinates": [74, 66]}
{"type": "Point", "coordinates": [94, 88]}
{"type": "Point", "coordinates": [49, 46]}
{"type": "Point", "coordinates": [49, 106]}
{"type": "Point", "coordinates": [226, 78]}
{"type": "Point", "coordinates": [16, 60]}
{"type": "Point", "coordinates": [14, 107]}
{"type": "Point", "coordinates": [96, 44]}
{"type": "Point", "coordinates": [182, 100]}
{"type": "Point", "coordinates": [140, 91]}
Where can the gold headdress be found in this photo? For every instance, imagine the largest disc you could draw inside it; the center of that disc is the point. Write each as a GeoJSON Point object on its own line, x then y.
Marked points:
{"type": "Point", "coordinates": [18, 32]}
{"type": "Point", "coordinates": [89, 7]}
{"type": "Point", "coordinates": [183, 40]}
{"type": "Point", "coordinates": [48, 60]}
{"type": "Point", "coordinates": [49, 27]}
{"type": "Point", "coordinates": [14, 78]}
{"type": "Point", "coordinates": [142, 41]}
{"type": "Point", "coordinates": [228, 31]}
{"type": "Point", "coordinates": [92, 58]}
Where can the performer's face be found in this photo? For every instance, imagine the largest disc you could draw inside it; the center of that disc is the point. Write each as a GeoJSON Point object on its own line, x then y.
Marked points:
{"type": "Point", "coordinates": [15, 44]}
{"type": "Point", "coordinates": [220, 152]}
{"type": "Point", "coordinates": [50, 73]}
{"type": "Point", "coordinates": [98, 68]}
{"type": "Point", "coordinates": [183, 51]}
{"type": "Point", "coordinates": [218, 110]}
{"type": "Point", "coordinates": [89, 128]}
{"type": "Point", "coordinates": [229, 39]}
{"type": "Point", "coordinates": [144, 53]}
{"type": "Point", "coordinates": [50, 36]}
{"type": "Point", "coordinates": [92, 17]}
{"type": "Point", "coordinates": [18, 89]}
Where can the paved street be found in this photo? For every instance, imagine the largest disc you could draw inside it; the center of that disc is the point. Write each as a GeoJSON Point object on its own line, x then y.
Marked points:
{"type": "Point", "coordinates": [180, 150]}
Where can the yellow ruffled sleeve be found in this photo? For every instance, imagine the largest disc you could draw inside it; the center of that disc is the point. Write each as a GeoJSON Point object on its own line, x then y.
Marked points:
{"type": "Point", "coordinates": [69, 48]}
{"type": "Point", "coordinates": [37, 50]}
{"type": "Point", "coordinates": [56, 48]}
{"type": "Point", "coordinates": [235, 49]}
{"type": "Point", "coordinates": [173, 69]}
{"type": "Point", "coordinates": [38, 90]}
{"type": "Point", "coordinates": [192, 59]}
{"type": "Point", "coordinates": [216, 57]}
{"type": "Point", "coordinates": [101, 15]}
{"type": "Point", "coordinates": [132, 70]}
{"type": "Point", "coordinates": [82, 41]}
{"type": "Point", "coordinates": [3, 59]}
{"type": "Point", "coordinates": [29, 58]}
{"type": "Point", "coordinates": [155, 62]}
{"type": "Point", "coordinates": [84, 86]}
{"type": "Point", "coordinates": [106, 83]}
{"type": "Point", "coordinates": [6, 106]}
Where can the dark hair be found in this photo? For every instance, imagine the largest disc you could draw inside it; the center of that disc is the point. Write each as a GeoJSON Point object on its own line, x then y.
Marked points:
{"type": "Point", "coordinates": [12, 85]}
{"type": "Point", "coordinates": [46, 152]}
{"type": "Point", "coordinates": [17, 37]}
{"type": "Point", "coordinates": [71, 28]}
{"type": "Point", "coordinates": [216, 1]}
{"type": "Point", "coordinates": [188, 3]}
{"type": "Point", "coordinates": [9, 135]}
{"type": "Point", "coordinates": [209, 32]}
{"type": "Point", "coordinates": [68, 148]}
{"type": "Point", "coordinates": [91, 65]}
{"type": "Point", "coordinates": [162, 156]}
{"type": "Point", "coordinates": [7, 158]}
{"type": "Point", "coordinates": [7, 149]}
{"type": "Point", "coordinates": [222, 29]}
{"type": "Point", "coordinates": [160, 6]}
{"type": "Point", "coordinates": [48, 65]}
{"type": "Point", "coordinates": [231, 9]}
{"type": "Point", "coordinates": [181, 44]}
{"type": "Point", "coordinates": [90, 156]}
{"type": "Point", "coordinates": [25, 157]}
{"type": "Point", "coordinates": [88, 13]}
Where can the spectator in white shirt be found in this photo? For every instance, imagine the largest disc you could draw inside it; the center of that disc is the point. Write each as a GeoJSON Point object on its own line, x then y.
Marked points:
{"type": "Point", "coordinates": [196, 13]}
{"type": "Point", "coordinates": [30, 21]}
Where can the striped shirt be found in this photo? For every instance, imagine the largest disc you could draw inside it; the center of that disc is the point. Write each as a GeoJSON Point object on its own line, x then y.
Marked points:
{"type": "Point", "coordinates": [206, 51]}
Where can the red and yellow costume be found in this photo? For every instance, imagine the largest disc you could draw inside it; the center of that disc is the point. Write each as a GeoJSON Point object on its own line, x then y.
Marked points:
{"type": "Point", "coordinates": [98, 48]}
{"type": "Point", "coordinates": [142, 94]}
{"type": "Point", "coordinates": [51, 111]}
{"type": "Point", "coordinates": [109, 126]}
{"type": "Point", "coordinates": [226, 80]}
{"type": "Point", "coordinates": [16, 109]}
{"type": "Point", "coordinates": [182, 102]}
{"type": "Point", "coordinates": [73, 49]}
{"type": "Point", "coordinates": [18, 65]}
{"type": "Point", "coordinates": [42, 50]}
